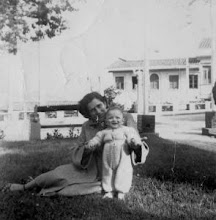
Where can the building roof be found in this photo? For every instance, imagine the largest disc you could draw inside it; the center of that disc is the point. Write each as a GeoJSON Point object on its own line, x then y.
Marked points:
{"type": "Point", "coordinates": [194, 60]}
{"type": "Point", "coordinates": [159, 63]}
{"type": "Point", "coordinates": [168, 62]}
{"type": "Point", "coordinates": [121, 63]}
{"type": "Point", "coordinates": [164, 63]}
{"type": "Point", "coordinates": [205, 43]}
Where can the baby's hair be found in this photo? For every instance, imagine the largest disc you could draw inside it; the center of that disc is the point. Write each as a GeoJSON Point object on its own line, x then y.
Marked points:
{"type": "Point", "coordinates": [114, 107]}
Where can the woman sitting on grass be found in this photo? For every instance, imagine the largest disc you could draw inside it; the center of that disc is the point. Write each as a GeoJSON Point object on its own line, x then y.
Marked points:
{"type": "Point", "coordinates": [117, 168]}
{"type": "Point", "coordinates": [83, 174]}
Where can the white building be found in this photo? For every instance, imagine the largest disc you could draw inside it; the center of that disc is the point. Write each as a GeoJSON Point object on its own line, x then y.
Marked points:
{"type": "Point", "coordinates": [173, 85]}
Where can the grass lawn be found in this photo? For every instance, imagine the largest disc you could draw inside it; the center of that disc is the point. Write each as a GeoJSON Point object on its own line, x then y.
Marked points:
{"type": "Point", "coordinates": [176, 182]}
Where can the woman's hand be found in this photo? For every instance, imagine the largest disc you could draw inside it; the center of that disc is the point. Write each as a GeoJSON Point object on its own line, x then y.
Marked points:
{"type": "Point", "coordinates": [91, 146]}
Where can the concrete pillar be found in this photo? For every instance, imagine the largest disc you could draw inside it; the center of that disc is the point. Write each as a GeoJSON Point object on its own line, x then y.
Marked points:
{"type": "Point", "coordinates": [192, 107]}
{"type": "Point", "coordinates": [207, 105]}
{"type": "Point", "coordinates": [60, 114]}
{"type": "Point", "coordinates": [158, 108]}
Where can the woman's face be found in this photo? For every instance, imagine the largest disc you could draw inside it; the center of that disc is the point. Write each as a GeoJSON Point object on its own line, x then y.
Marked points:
{"type": "Point", "coordinates": [96, 108]}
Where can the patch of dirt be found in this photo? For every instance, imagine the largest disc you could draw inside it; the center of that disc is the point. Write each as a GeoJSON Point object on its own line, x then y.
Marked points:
{"type": "Point", "coordinates": [181, 130]}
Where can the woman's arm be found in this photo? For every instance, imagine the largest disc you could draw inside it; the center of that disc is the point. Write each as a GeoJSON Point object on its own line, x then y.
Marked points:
{"type": "Point", "coordinates": [80, 155]}
{"type": "Point", "coordinates": [139, 151]}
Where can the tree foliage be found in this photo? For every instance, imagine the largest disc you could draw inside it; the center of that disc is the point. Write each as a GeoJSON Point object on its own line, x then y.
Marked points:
{"type": "Point", "coordinates": [110, 93]}
{"type": "Point", "coordinates": [23, 20]}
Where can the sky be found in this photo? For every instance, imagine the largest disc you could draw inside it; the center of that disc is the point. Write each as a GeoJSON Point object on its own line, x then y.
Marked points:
{"type": "Point", "coordinates": [107, 30]}
{"type": "Point", "coordinates": [99, 33]}
{"type": "Point", "coordinates": [121, 28]}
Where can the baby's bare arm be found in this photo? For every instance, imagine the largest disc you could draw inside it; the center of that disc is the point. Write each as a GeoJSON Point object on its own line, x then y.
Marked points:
{"type": "Point", "coordinates": [95, 142]}
{"type": "Point", "coordinates": [92, 145]}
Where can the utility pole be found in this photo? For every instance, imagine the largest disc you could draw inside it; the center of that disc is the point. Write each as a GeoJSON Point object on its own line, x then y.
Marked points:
{"type": "Point", "coordinates": [140, 96]}
{"type": "Point", "coordinates": [39, 75]}
{"type": "Point", "coordinates": [146, 72]}
{"type": "Point", "coordinates": [11, 63]}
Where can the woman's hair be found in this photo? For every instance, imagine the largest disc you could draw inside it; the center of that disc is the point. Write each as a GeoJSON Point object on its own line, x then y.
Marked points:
{"type": "Point", "coordinates": [83, 103]}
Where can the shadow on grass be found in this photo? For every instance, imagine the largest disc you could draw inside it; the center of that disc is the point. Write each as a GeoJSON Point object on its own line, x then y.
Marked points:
{"type": "Point", "coordinates": [170, 161]}
{"type": "Point", "coordinates": [32, 158]}
{"type": "Point", "coordinates": [167, 161]}
{"type": "Point", "coordinates": [19, 207]}
{"type": "Point", "coordinates": [198, 133]}
{"type": "Point", "coordinates": [147, 199]}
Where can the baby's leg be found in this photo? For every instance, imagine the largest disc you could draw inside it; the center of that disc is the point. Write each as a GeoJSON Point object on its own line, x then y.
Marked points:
{"type": "Point", "coordinates": [123, 182]}
{"type": "Point", "coordinates": [107, 179]}
{"type": "Point", "coordinates": [123, 177]}
{"type": "Point", "coordinates": [107, 182]}
{"type": "Point", "coordinates": [107, 172]}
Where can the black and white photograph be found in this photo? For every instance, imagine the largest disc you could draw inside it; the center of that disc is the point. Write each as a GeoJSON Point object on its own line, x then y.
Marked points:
{"type": "Point", "coordinates": [107, 109]}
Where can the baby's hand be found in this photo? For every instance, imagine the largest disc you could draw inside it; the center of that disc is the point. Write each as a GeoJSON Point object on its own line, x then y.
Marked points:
{"type": "Point", "coordinates": [91, 146]}
{"type": "Point", "coordinates": [134, 144]}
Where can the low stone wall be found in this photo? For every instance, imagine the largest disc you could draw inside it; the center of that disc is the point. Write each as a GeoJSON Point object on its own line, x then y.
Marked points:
{"type": "Point", "coordinates": [167, 109]}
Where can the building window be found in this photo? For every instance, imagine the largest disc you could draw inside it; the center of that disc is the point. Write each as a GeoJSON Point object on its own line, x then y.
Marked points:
{"type": "Point", "coordinates": [193, 81]}
{"type": "Point", "coordinates": [207, 75]}
{"type": "Point", "coordinates": [119, 82]}
{"type": "Point", "coordinates": [51, 114]}
{"type": "Point", "coordinates": [154, 81]}
{"type": "Point", "coordinates": [134, 82]}
{"type": "Point", "coordinates": [174, 82]}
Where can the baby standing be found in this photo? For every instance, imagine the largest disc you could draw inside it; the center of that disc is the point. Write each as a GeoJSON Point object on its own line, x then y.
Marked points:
{"type": "Point", "coordinates": [117, 170]}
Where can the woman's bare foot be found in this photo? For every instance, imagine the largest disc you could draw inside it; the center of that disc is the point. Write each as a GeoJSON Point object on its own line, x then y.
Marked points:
{"type": "Point", "coordinates": [12, 187]}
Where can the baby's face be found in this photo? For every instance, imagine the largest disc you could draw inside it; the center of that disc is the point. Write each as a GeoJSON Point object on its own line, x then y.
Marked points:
{"type": "Point", "coordinates": [114, 118]}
